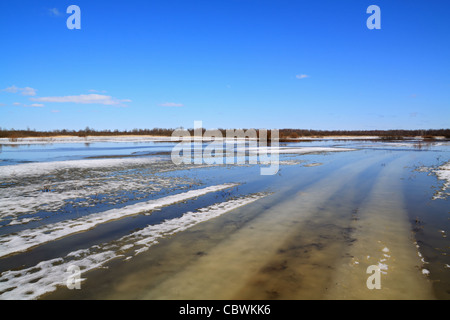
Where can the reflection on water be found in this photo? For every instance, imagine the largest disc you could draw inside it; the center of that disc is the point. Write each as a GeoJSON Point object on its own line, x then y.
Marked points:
{"type": "Point", "coordinates": [328, 218]}
{"type": "Point", "coordinates": [74, 151]}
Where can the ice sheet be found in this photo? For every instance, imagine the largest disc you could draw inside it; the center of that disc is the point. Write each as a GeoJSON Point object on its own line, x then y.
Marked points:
{"type": "Point", "coordinates": [89, 139]}
{"type": "Point", "coordinates": [71, 188]}
{"type": "Point", "coordinates": [43, 168]}
{"type": "Point", "coordinates": [30, 238]}
{"type": "Point", "coordinates": [30, 283]}
{"type": "Point", "coordinates": [296, 150]}
{"type": "Point", "coordinates": [443, 173]}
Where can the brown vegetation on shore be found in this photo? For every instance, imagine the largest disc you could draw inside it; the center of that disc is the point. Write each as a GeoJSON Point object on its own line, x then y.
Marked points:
{"type": "Point", "coordinates": [284, 134]}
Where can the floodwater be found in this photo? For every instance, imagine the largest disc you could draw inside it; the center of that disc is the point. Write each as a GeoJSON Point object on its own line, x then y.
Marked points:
{"type": "Point", "coordinates": [137, 226]}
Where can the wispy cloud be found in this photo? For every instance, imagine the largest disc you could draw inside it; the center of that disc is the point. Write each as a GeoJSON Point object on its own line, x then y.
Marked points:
{"type": "Point", "coordinates": [54, 12]}
{"type": "Point", "coordinates": [301, 76]}
{"type": "Point", "coordinates": [33, 105]}
{"type": "Point", "coordinates": [85, 99]}
{"type": "Point", "coordinates": [171, 104]}
{"type": "Point", "coordinates": [27, 91]}
{"type": "Point", "coordinates": [12, 89]}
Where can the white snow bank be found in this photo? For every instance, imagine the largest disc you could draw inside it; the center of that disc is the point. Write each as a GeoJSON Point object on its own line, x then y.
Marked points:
{"type": "Point", "coordinates": [29, 198]}
{"type": "Point", "coordinates": [89, 139]}
{"type": "Point", "coordinates": [149, 235]}
{"type": "Point", "coordinates": [297, 150]}
{"type": "Point", "coordinates": [46, 276]}
{"type": "Point", "coordinates": [30, 238]}
{"type": "Point", "coordinates": [443, 173]}
{"type": "Point", "coordinates": [337, 138]}
{"type": "Point", "coordinates": [41, 168]}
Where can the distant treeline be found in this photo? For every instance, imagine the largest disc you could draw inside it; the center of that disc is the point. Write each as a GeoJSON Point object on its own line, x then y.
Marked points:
{"type": "Point", "coordinates": [283, 133]}
{"type": "Point", "coordinates": [387, 134]}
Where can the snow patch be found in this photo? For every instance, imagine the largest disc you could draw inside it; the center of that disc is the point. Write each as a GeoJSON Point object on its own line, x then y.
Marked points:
{"type": "Point", "coordinates": [30, 238]}
{"type": "Point", "coordinates": [46, 276]}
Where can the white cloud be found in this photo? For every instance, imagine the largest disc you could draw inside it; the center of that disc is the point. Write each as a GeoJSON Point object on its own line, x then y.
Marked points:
{"type": "Point", "coordinates": [171, 104]}
{"type": "Point", "coordinates": [85, 99]}
{"type": "Point", "coordinates": [27, 91]}
{"type": "Point", "coordinates": [55, 12]}
{"type": "Point", "coordinates": [301, 76]}
{"type": "Point", "coordinates": [12, 89]}
{"type": "Point", "coordinates": [2, 104]}
{"type": "Point", "coordinates": [33, 105]}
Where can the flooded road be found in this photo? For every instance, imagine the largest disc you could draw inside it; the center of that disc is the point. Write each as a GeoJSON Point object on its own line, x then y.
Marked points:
{"type": "Point", "coordinates": [143, 228]}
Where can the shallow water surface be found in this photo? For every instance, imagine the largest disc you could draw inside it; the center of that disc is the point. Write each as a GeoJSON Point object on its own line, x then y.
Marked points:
{"type": "Point", "coordinates": [139, 227]}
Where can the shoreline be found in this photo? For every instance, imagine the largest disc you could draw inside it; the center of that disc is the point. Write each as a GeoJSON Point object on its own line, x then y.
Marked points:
{"type": "Point", "coordinates": [153, 138]}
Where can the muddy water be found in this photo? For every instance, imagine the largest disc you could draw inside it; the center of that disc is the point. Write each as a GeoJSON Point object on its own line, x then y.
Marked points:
{"type": "Point", "coordinates": [313, 238]}
{"type": "Point", "coordinates": [254, 262]}
{"type": "Point", "coordinates": [383, 238]}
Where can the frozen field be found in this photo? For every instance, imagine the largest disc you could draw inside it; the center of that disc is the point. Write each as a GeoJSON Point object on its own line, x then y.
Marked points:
{"type": "Point", "coordinates": [138, 226]}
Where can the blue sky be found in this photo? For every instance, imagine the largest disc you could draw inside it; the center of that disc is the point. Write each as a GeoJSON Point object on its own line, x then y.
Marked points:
{"type": "Point", "coordinates": [228, 63]}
